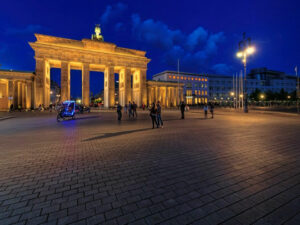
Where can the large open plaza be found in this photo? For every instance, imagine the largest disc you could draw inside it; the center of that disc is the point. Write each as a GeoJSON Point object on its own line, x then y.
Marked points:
{"type": "Point", "coordinates": [233, 169]}
{"type": "Point", "coordinates": [149, 112]}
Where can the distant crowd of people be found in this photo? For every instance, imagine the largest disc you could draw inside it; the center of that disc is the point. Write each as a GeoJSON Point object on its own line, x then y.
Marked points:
{"type": "Point", "coordinates": [156, 110]}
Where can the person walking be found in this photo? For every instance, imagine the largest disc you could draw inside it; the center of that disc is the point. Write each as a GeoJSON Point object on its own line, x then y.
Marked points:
{"type": "Point", "coordinates": [205, 108]}
{"type": "Point", "coordinates": [129, 109]}
{"type": "Point", "coordinates": [182, 108]}
{"type": "Point", "coordinates": [119, 111]}
{"type": "Point", "coordinates": [134, 106]}
{"type": "Point", "coordinates": [158, 115]}
{"type": "Point", "coordinates": [153, 115]}
{"type": "Point", "coordinates": [211, 108]}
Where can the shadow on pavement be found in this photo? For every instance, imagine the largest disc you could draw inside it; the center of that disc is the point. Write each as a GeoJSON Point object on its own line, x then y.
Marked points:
{"type": "Point", "coordinates": [108, 135]}
{"type": "Point", "coordinates": [85, 118]}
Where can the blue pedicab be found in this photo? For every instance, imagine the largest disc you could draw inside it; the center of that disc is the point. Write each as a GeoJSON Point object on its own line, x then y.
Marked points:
{"type": "Point", "coordinates": [66, 111]}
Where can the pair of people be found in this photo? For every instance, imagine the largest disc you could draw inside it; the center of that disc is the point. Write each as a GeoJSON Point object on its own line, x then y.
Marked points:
{"type": "Point", "coordinates": [155, 114]}
{"type": "Point", "coordinates": [132, 109]}
{"type": "Point", "coordinates": [211, 109]}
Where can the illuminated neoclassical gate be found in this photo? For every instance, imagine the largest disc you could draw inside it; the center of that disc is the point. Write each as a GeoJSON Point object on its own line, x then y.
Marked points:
{"type": "Point", "coordinates": [89, 55]}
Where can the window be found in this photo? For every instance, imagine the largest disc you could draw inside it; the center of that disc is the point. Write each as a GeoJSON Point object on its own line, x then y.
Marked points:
{"type": "Point", "coordinates": [170, 76]}
{"type": "Point", "coordinates": [189, 93]}
{"type": "Point", "coordinates": [189, 85]}
{"type": "Point", "coordinates": [174, 77]}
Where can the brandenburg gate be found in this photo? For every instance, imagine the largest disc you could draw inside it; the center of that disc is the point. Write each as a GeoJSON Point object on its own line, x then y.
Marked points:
{"type": "Point", "coordinates": [90, 55]}
{"type": "Point", "coordinates": [28, 90]}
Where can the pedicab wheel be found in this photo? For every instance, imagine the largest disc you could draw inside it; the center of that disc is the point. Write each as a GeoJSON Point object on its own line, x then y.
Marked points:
{"type": "Point", "coordinates": [58, 118]}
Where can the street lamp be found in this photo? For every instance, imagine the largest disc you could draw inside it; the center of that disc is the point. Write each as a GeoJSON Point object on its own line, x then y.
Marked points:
{"type": "Point", "coordinates": [262, 96]}
{"type": "Point", "coordinates": [245, 49]}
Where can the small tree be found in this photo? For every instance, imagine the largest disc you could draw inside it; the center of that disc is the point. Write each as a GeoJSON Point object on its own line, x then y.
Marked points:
{"type": "Point", "coordinates": [255, 95]}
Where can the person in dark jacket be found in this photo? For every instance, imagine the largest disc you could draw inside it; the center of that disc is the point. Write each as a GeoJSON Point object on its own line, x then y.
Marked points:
{"type": "Point", "coordinates": [129, 109]}
{"type": "Point", "coordinates": [182, 108]}
{"type": "Point", "coordinates": [134, 107]}
{"type": "Point", "coordinates": [119, 111]}
{"type": "Point", "coordinates": [153, 115]}
{"type": "Point", "coordinates": [158, 115]}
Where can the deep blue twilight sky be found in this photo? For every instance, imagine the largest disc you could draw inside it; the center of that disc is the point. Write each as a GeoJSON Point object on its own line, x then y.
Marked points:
{"type": "Point", "coordinates": [203, 34]}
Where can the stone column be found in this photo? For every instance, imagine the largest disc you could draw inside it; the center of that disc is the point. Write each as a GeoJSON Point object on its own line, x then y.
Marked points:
{"type": "Point", "coordinates": [33, 93]}
{"type": "Point", "coordinates": [143, 86]}
{"type": "Point", "coordinates": [42, 71]}
{"type": "Point", "coordinates": [109, 87]}
{"type": "Point", "coordinates": [23, 95]}
{"type": "Point", "coordinates": [127, 83]}
{"type": "Point", "coordinates": [86, 84]}
{"type": "Point", "coordinates": [10, 92]}
{"type": "Point", "coordinates": [167, 98]}
{"type": "Point", "coordinates": [65, 91]}
{"type": "Point", "coordinates": [124, 86]}
{"type": "Point", "coordinates": [16, 95]}
{"type": "Point", "coordinates": [158, 94]}
{"type": "Point", "coordinates": [28, 95]}
{"type": "Point", "coordinates": [20, 91]}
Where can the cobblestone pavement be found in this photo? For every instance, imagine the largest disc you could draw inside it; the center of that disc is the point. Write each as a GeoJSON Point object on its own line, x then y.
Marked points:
{"type": "Point", "coordinates": [234, 169]}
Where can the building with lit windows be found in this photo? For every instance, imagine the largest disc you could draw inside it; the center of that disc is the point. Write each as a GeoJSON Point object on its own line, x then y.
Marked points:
{"type": "Point", "coordinates": [200, 88]}
{"type": "Point", "coordinates": [195, 86]}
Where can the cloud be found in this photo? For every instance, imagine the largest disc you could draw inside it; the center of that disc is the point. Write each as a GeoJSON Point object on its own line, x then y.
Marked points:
{"type": "Point", "coordinates": [195, 38]}
{"type": "Point", "coordinates": [196, 50]}
{"type": "Point", "coordinates": [112, 12]}
{"type": "Point", "coordinates": [193, 49]}
{"type": "Point", "coordinates": [119, 26]}
{"type": "Point", "coordinates": [155, 33]}
{"type": "Point", "coordinates": [222, 68]}
{"type": "Point", "coordinates": [28, 30]}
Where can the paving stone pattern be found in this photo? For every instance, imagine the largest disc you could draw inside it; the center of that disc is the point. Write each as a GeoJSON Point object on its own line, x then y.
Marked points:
{"type": "Point", "coordinates": [234, 169]}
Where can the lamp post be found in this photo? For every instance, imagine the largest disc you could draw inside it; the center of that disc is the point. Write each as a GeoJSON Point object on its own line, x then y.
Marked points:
{"type": "Point", "coordinates": [245, 49]}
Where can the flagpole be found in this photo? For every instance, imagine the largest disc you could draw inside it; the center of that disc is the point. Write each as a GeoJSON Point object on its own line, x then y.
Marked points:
{"type": "Point", "coordinates": [297, 89]}
{"type": "Point", "coordinates": [178, 82]}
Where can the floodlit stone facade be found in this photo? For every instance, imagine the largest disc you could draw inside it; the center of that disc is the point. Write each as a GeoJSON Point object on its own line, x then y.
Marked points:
{"type": "Point", "coordinates": [90, 55]}
{"type": "Point", "coordinates": [170, 94]}
{"type": "Point", "coordinates": [17, 88]}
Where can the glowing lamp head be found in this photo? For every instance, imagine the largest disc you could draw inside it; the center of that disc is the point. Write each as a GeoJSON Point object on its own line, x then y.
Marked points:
{"type": "Point", "coordinates": [232, 93]}
{"type": "Point", "coordinates": [239, 54]}
{"type": "Point", "coordinates": [250, 50]}
{"type": "Point", "coordinates": [262, 96]}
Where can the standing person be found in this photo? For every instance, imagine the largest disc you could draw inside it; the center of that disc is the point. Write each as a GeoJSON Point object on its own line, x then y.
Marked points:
{"type": "Point", "coordinates": [11, 108]}
{"type": "Point", "coordinates": [153, 115]}
{"type": "Point", "coordinates": [119, 111]}
{"type": "Point", "coordinates": [129, 109]}
{"type": "Point", "coordinates": [158, 114]}
{"type": "Point", "coordinates": [211, 106]}
{"type": "Point", "coordinates": [205, 111]}
{"type": "Point", "coordinates": [134, 106]}
{"type": "Point", "coordinates": [182, 108]}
